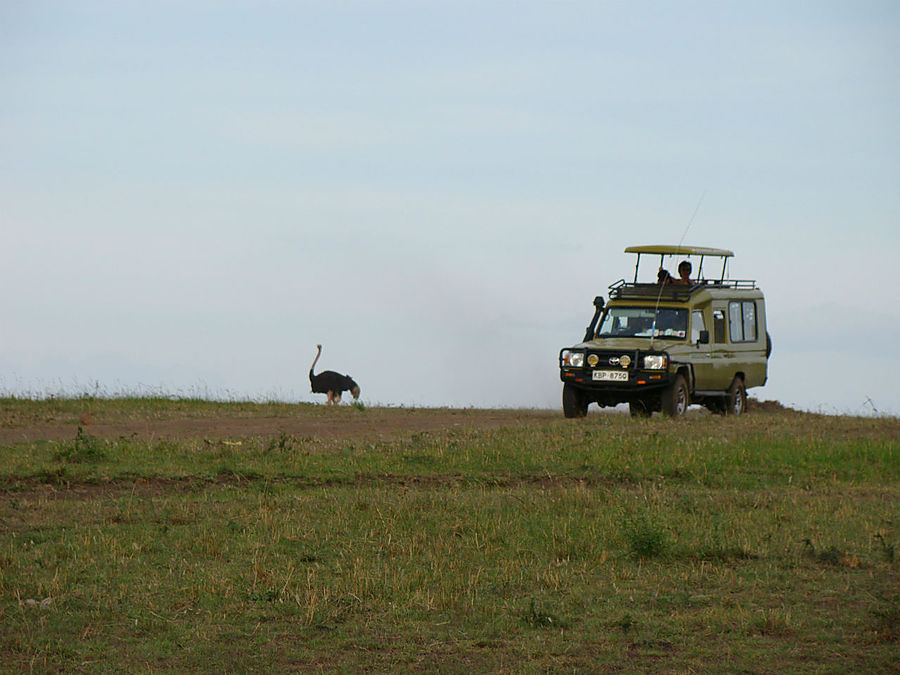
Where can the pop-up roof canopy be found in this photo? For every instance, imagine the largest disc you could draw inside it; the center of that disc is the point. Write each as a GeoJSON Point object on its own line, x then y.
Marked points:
{"type": "Point", "coordinates": [663, 250]}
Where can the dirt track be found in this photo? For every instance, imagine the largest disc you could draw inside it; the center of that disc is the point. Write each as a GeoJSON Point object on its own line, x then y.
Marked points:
{"type": "Point", "coordinates": [324, 423]}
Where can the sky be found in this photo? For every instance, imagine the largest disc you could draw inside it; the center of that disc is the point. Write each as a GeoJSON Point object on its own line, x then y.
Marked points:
{"type": "Point", "coordinates": [195, 194]}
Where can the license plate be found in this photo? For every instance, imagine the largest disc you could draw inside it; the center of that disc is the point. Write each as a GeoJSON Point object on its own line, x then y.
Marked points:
{"type": "Point", "coordinates": [610, 376]}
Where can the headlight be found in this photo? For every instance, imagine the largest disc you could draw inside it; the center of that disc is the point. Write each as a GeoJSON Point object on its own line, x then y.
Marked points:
{"type": "Point", "coordinates": [655, 361]}
{"type": "Point", "coordinates": [571, 359]}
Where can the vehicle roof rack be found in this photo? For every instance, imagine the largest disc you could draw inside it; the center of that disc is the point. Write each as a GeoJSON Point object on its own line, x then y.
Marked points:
{"type": "Point", "coordinates": [623, 290]}
{"type": "Point", "coordinates": [626, 290]}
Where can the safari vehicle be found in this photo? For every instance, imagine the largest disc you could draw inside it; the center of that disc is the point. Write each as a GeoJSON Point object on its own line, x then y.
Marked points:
{"type": "Point", "coordinates": [661, 346]}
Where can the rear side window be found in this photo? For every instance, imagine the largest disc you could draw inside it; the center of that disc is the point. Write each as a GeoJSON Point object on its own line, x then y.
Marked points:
{"type": "Point", "coordinates": [742, 321]}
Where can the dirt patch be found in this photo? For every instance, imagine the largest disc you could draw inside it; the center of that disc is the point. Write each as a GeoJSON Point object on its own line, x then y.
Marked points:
{"type": "Point", "coordinates": [767, 406]}
{"type": "Point", "coordinates": [321, 423]}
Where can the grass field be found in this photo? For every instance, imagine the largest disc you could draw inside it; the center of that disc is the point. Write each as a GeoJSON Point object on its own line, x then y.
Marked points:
{"type": "Point", "coordinates": [763, 544]}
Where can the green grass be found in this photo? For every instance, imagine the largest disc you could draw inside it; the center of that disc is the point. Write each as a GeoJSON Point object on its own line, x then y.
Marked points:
{"type": "Point", "coordinates": [16, 411]}
{"type": "Point", "coordinates": [761, 544]}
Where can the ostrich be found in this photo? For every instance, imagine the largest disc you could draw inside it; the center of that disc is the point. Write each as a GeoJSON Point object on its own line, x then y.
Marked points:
{"type": "Point", "coordinates": [330, 382]}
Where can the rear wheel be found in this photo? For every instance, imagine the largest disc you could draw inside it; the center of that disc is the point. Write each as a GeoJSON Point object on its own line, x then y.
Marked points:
{"type": "Point", "coordinates": [574, 401]}
{"type": "Point", "coordinates": [676, 398]}
{"type": "Point", "coordinates": [736, 401]}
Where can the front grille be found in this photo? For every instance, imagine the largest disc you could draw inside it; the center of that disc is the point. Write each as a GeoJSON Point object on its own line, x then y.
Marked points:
{"type": "Point", "coordinates": [612, 359]}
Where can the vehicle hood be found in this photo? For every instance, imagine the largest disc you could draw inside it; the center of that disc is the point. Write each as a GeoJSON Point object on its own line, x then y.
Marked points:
{"type": "Point", "coordinates": [629, 344]}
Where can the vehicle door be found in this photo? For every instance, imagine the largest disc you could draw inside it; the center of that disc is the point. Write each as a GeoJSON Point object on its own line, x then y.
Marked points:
{"type": "Point", "coordinates": [746, 328]}
{"type": "Point", "coordinates": [704, 366]}
{"type": "Point", "coordinates": [722, 355]}
{"type": "Point", "coordinates": [746, 342]}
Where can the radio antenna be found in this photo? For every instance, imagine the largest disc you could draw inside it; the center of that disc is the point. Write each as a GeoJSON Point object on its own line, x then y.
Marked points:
{"type": "Point", "coordinates": [661, 286]}
{"type": "Point", "coordinates": [691, 221]}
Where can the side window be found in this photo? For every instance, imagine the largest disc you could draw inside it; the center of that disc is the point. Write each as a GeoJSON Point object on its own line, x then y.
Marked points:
{"type": "Point", "coordinates": [719, 326]}
{"type": "Point", "coordinates": [735, 325]}
{"type": "Point", "coordinates": [742, 321]}
{"type": "Point", "coordinates": [696, 325]}
{"type": "Point", "coordinates": [750, 321]}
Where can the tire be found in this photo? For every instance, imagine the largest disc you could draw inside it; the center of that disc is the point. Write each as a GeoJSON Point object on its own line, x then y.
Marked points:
{"type": "Point", "coordinates": [736, 400]}
{"type": "Point", "coordinates": [768, 345]}
{"type": "Point", "coordinates": [676, 399]}
{"type": "Point", "coordinates": [639, 409]}
{"type": "Point", "coordinates": [574, 402]}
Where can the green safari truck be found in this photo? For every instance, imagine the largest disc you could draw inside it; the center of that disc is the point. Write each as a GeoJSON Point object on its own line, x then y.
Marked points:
{"type": "Point", "coordinates": [662, 345]}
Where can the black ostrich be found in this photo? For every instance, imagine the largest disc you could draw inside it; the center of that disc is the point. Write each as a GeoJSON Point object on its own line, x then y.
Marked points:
{"type": "Point", "coordinates": [330, 382]}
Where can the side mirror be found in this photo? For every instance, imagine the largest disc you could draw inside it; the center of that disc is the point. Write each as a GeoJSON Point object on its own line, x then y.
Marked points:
{"type": "Point", "coordinates": [598, 302]}
{"type": "Point", "coordinates": [704, 338]}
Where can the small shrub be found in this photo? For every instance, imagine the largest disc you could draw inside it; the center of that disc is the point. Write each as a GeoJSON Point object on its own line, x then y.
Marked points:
{"type": "Point", "coordinates": [774, 622]}
{"type": "Point", "coordinates": [85, 448]}
{"type": "Point", "coordinates": [536, 617]}
{"type": "Point", "coordinates": [265, 595]}
{"type": "Point", "coordinates": [55, 475]}
{"type": "Point", "coordinates": [625, 623]}
{"type": "Point", "coordinates": [284, 442]}
{"type": "Point", "coordinates": [646, 536]}
{"type": "Point", "coordinates": [830, 556]}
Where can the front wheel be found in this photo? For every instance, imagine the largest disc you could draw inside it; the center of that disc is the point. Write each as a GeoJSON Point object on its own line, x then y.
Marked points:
{"type": "Point", "coordinates": [676, 398]}
{"type": "Point", "coordinates": [574, 401]}
{"type": "Point", "coordinates": [736, 400]}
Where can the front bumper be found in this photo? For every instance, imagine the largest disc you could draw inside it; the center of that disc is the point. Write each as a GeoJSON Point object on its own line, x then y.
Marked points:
{"type": "Point", "coordinates": [641, 383]}
{"type": "Point", "coordinates": [638, 380]}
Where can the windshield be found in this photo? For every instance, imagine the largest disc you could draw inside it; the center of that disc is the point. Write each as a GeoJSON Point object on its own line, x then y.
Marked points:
{"type": "Point", "coordinates": [638, 322]}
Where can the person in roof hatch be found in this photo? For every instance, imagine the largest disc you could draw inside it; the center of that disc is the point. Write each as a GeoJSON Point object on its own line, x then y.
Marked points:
{"type": "Point", "coordinates": [684, 273]}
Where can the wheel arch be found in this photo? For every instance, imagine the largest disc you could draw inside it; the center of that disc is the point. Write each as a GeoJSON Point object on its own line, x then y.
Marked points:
{"type": "Point", "coordinates": [687, 372]}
